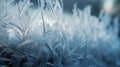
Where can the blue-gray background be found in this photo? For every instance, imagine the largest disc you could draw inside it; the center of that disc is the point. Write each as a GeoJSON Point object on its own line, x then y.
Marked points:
{"type": "Point", "coordinates": [68, 5]}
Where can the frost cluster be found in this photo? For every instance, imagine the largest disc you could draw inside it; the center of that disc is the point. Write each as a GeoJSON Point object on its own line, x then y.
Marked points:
{"type": "Point", "coordinates": [59, 39]}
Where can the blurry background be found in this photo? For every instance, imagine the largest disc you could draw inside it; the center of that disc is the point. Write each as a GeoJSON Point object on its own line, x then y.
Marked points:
{"type": "Point", "coordinates": [68, 5]}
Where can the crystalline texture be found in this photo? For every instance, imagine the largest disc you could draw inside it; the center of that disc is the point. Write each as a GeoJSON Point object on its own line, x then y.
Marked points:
{"type": "Point", "coordinates": [48, 37]}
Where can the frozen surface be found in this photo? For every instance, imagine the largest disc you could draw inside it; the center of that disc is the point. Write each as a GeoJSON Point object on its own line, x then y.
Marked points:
{"type": "Point", "coordinates": [59, 39]}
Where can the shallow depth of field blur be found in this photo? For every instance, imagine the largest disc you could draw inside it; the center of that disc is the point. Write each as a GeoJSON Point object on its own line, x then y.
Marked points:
{"type": "Point", "coordinates": [72, 37]}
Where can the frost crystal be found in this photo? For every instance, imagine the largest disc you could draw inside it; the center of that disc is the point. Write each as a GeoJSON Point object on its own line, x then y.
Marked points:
{"type": "Point", "coordinates": [56, 39]}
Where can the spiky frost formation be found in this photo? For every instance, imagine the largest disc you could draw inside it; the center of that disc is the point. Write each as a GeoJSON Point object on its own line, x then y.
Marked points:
{"type": "Point", "coordinates": [55, 38]}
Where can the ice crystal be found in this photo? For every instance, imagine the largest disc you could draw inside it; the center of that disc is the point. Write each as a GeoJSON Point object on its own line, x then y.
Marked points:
{"type": "Point", "coordinates": [56, 38]}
